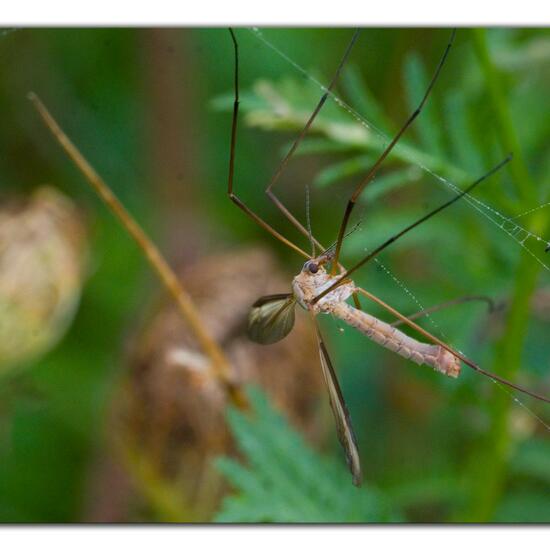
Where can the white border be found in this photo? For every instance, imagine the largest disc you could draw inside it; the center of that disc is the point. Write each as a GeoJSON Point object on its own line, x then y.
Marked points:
{"type": "Point", "coordinates": [285, 13]}
{"type": "Point", "coordinates": [245, 538]}
{"type": "Point", "coordinates": [275, 12]}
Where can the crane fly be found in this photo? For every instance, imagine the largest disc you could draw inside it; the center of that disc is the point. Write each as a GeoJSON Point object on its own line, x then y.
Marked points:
{"type": "Point", "coordinates": [324, 286]}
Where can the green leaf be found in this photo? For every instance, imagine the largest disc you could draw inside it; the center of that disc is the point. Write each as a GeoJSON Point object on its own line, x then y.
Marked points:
{"type": "Point", "coordinates": [461, 138]}
{"type": "Point", "coordinates": [425, 125]}
{"type": "Point", "coordinates": [286, 105]}
{"type": "Point", "coordinates": [285, 480]}
{"type": "Point", "coordinates": [390, 182]}
{"type": "Point", "coordinates": [317, 146]}
{"type": "Point", "coordinates": [341, 170]}
{"type": "Point", "coordinates": [362, 99]}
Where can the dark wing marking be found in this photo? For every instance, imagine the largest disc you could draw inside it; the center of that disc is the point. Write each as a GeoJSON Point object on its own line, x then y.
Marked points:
{"type": "Point", "coordinates": [271, 318]}
{"type": "Point", "coordinates": [341, 415]}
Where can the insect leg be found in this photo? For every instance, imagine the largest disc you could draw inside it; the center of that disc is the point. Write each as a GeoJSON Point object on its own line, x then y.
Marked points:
{"type": "Point", "coordinates": [278, 203]}
{"type": "Point", "coordinates": [372, 172]}
{"type": "Point", "coordinates": [397, 236]}
{"type": "Point", "coordinates": [458, 355]}
{"type": "Point", "coordinates": [230, 192]}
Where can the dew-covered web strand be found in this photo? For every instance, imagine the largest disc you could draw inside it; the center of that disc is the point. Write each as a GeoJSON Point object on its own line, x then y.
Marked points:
{"type": "Point", "coordinates": [411, 296]}
{"type": "Point", "coordinates": [473, 202]}
{"type": "Point", "coordinates": [503, 222]}
{"type": "Point", "coordinates": [518, 233]}
{"type": "Point", "coordinates": [527, 212]}
{"type": "Point", "coordinates": [418, 304]}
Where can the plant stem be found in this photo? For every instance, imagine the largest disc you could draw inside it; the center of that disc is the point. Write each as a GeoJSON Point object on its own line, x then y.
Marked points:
{"type": "Point", "coordinates": [488, 474]}
{"type": "Point", "coordinates": [165, 273]}
{"type": "Point", "coordinates": [488, 465]}
{"type": "Point", "coordinates": [505, 126]}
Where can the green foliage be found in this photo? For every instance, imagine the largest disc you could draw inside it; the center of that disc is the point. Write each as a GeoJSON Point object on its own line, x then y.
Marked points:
{"type": "Point", "coordinates": [451, 139]}
{"type": "Point", "coordinates": [286, 105]}
{"type": "Point", "coordinates": [524, 507]}
{"type": "Point", "coordinates": [528, 500]}
{"type": "Point", "coordinates": [472, 120]}
{"type": "Point", "coordinates": [455, 137]}
{"type": "Point", "coordinates": [421, 433]}
{"type": "Point", "coordinates": [532, 460]}
{"type": "Point", "coordinates": [430, 134]}
{"type": "Point", "coordinates": [285, 481]}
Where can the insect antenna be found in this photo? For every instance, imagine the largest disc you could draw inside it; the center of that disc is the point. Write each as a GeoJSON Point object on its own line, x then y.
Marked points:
{"type": "Point", "coordinates": [424, 218]}
{"type": "Point", "coordinates": [308, 221]}
{"type": "Point", "coordinates": [372, 172]}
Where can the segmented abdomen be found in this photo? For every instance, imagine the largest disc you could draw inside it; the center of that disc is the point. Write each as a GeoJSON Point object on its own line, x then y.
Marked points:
{"type": "Point", "coordinates": [392, 338]}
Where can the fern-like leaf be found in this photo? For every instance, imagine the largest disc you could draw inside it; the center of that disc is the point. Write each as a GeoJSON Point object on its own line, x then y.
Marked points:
{"type": "Point", "coordinates": [285, 481]}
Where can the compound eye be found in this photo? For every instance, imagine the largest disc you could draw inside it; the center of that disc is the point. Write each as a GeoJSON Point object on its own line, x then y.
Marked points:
{"type": "Point", "coordinates": [313, 267]}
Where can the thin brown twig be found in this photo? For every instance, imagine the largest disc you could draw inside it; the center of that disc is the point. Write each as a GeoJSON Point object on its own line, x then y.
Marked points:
{"type": "Point", "coordinates": [165, 273]}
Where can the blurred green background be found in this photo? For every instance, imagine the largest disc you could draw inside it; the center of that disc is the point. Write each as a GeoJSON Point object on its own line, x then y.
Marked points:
{"type": "Point", "coordinates": [150, 109]}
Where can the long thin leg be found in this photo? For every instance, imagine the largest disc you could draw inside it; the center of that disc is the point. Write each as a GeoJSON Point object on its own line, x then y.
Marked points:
{"type": "Point", "coordinates": [230, 192]}
{"type": "Point", "coordinates": [391, 240]}
{"type": "Point", "coordinates": [445, 305]}
{"type": "Point", "coordinates": [278, 203]}
{"type": "Point", "coordinates": [372, 172]}
{"type": "Point", "coordinates": [439, 342]}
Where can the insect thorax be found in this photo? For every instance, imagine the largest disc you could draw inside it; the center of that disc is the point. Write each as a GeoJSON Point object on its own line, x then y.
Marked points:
{"type": "Point", "coordinates": [306, 286]}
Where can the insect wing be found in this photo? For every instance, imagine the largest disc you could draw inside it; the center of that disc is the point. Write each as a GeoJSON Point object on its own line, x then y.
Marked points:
{"type": "Point", "coordinates": [271, 318]}
{"type": "Point", "coordinates": [341, 415]}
